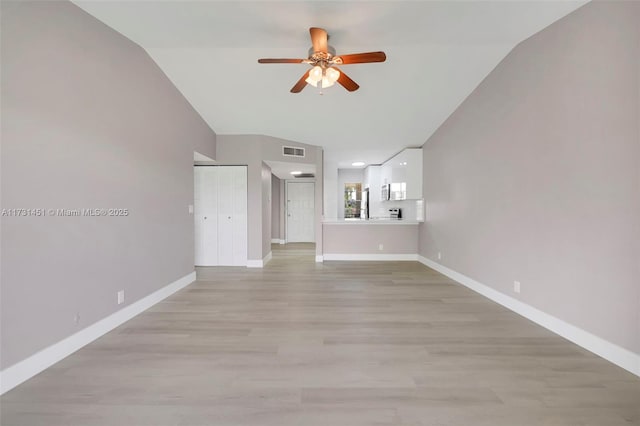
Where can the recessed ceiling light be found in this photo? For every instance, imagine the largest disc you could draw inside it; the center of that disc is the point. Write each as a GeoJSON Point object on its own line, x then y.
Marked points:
{"type": "Point", "coordinates": [297, 172]}
{"type": "Point", "coordinates": [357, 164]}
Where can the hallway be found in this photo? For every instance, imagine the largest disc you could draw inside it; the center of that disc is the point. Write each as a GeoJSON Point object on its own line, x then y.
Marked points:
{"type": "Point", "coordinates": [302, 251]}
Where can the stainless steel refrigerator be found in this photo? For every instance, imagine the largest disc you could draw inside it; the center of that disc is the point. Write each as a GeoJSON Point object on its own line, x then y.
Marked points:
{"type": "Point", "coordinates": [364, 204]}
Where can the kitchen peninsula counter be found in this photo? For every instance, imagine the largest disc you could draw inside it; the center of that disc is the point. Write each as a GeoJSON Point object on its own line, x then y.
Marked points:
{"type": "Point", "coordinates": [381, 221]}
{"type": "Point", "coordinates": [373, 239]}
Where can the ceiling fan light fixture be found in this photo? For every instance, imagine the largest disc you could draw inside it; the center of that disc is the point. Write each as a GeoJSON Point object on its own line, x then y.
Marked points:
{"type": "Point", "coordinates": [332, 74]}
{"type": "Point", "coordinates": [326, 82]}
{"type": "Point", "coordinates": [325, 77]}
{"type": "Point", "coordinates": [315, 74]}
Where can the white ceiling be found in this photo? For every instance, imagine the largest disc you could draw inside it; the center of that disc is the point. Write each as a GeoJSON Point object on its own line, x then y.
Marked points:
{"type": "Point", "coordinates": [437, 53]}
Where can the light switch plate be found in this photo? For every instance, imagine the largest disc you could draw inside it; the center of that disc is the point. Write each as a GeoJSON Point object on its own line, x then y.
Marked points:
{"type": "Point", "coordinates": [516, 286]}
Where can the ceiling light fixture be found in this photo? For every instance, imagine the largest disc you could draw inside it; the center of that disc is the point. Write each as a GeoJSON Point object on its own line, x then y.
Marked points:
{"type": "Point", "coordinates": [325, 76]}
{"type": "Point", "coordinates": [357, 164]}
{"type": "Point", "coordinates": [297, 172]}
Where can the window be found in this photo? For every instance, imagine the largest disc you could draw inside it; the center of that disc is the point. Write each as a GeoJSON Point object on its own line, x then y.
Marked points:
{"type": "Point", "coordinates": [352, 199]}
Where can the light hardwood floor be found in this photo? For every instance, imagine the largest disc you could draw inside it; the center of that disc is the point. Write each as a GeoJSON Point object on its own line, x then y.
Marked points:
{"type": "Point", "coordinates": [333, 344]}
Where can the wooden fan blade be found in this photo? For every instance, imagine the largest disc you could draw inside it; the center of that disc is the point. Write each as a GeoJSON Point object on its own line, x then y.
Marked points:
{"type": "Point", "coordinates": [318, 39]}
{"type": "Point", "coordinates": [346, 82]}
{"type": "Point", "coordinates": [280, 61]}
{"type": "Point", "coordinates": [297, 88]}
{"type": "Point", "coordinates": [362, 58]}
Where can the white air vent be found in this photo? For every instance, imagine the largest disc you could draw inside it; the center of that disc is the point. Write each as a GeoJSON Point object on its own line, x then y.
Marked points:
{"type": "Point", "coordinates": [289, 151]}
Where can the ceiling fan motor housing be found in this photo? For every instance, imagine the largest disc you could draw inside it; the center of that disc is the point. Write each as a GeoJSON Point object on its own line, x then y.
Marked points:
{"type": "Point", "coordinates": [321, 58]}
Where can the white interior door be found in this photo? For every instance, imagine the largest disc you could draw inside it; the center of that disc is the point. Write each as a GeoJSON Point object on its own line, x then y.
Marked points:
{"type": "Point", "coordinates": [205, 212]}
{"type": "Point", "coordinates": [300, 212]}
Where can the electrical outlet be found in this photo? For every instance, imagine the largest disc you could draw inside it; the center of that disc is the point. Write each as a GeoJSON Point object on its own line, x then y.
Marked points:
{"type": "Point", "coordinates": [439, 255]}
{"type": "Point", "coordinates": [380, 247]}
{"type": "Point", "coordinates": [120, 297]}
{"type": "Point", "coordinates": [516, 286]}
{"type": "Point", "coordinates": [190, 208]}
{"type": "Point", "coordinates": [76, 318]}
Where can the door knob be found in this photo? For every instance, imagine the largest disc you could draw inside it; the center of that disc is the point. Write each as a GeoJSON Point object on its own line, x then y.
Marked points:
{"type": "Point", "coordinates": [205, 217]}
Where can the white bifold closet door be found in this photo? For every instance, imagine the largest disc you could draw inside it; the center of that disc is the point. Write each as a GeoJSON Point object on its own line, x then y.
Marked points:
{"type": "Point", "coordinates": [220, 213]}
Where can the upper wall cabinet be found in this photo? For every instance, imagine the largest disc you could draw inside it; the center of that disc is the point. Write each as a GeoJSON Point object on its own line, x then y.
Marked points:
{"type": "Point", "coordinates": [385, 173]}
{"type": "Point", "coordinates": [404, 175]}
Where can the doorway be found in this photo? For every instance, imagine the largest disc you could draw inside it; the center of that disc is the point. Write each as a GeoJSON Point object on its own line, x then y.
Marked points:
{"type": "Point", "coordinates": [300, 203]}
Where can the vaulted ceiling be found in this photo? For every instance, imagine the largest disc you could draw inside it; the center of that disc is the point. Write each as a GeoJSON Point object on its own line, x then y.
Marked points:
{"type": "Point", "coordinates": [437, 54]}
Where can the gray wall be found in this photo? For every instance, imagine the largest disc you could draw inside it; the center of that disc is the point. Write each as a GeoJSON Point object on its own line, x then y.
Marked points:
{"type": "Point", "coordinates": [275, 207]}
{"type": "Point", "coordinates": [88, 121]}
{"type": "Point", "coordinates": [266, 209]}
{"type": "Point", "coordinates": [331, 200]}
{"type": "Point", "coordinates": [536, 176]}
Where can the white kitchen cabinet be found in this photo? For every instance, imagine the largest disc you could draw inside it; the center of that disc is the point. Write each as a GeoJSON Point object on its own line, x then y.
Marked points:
{"type": "Point", "coordinates": [220, 214]}
{"type": "Point", "coordinates": [385, 173]}
{"type": "Point", "coordinates": [372, 178]}
{"type": "Point", "coordinates": [404, 174]}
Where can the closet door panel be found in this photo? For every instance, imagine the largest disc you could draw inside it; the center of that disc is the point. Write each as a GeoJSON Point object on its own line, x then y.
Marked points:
{"type": "Point", "coordinates": [205, 216]}
{"type": "Point", "coordinates": [239, 216]}
{"type": "Point", "coordinates": [225, 215]}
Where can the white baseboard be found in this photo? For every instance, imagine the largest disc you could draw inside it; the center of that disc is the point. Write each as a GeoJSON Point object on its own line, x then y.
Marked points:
{"type": "Point", "coordinates": [319, 258]}
{"type": "Point", "coordinates": [259, 263]}
{"type": "Point", "coordinates": [619, 356]}
{"type": "Point", "coordinates": [277, 241]}
{"type": "Point", "coordinates": [27, 368]}
{"type": "Point", "coordinates": [371, 257]}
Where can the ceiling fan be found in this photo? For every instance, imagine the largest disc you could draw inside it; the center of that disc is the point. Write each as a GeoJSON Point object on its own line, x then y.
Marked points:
{"type": "Point", "coordinates": [323, 60]}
